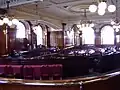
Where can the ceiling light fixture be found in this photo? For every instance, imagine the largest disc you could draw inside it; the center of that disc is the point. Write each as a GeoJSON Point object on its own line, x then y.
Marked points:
{"type": "Point", "coordinates": [101, 12]}
{"type": "Point", "coordinates": [93, 8]}
{"type": "Point", "coordinates": [102, 5]}
{"type": "Point", "coordinates": [5, 19]}
{"type": "Point", "coordinates": [85, 22]}
{"type": "Point", "coordinates": [111, 8]}
{"type": "Point", "coordinates": [115, 23]}
{"type": "Point", "coordinates": [101, 8]}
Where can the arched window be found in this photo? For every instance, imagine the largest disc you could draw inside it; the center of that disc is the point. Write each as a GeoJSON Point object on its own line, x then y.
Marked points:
{"type": "Point", "coordinates": [88, 36]}
{"type": "Point", "coordinates": [70, 35]}
{"type": "Point", "coordinates": [27, 29]}
{"type": "Point", "coordinates": [38, 32]}
{"type": "Point", "coordinates": [107, 35]}
{"type": "Point", "coordinates": [20, 30]}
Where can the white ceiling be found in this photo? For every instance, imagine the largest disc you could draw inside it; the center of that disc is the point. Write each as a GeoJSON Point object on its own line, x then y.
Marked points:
{"type": "Point", "coordinates": [59, 11]}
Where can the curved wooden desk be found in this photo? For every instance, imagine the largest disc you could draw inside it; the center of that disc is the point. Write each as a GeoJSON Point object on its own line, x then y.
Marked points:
{"type": "Point", "coordinates": [104, 82]}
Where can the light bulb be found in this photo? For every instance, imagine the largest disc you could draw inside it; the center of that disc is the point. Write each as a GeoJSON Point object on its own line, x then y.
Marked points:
{"type": "Point", "coordinates": [10, 23]}
{"type": "Point", "coordinates": [5, 20]}
{"type": "Point", "coordinates": [112, 22]}
{"type": "Point", "coordinates": [15, 21]}
{"type": "Point", "coordinates": [83, 25]}
{"type": "Point", "coordinates": [93, 8]}
{"type": "Point", "coordinates": [102, 5]}
{"type": "Point", "coordinates": [117, 29]}
{"type": "Point", "coordinates": [111, 8]}
{"type": "Point", "coordinates": [92, 25]}
{"type": "Point", "coordinates": [101, 12]}
{"type": "Point", "coordinates": [114, 26]}
{"type": "Point", "coordinates": [1, 22]}
{"type": "Point", "coordinates": [79, 26]}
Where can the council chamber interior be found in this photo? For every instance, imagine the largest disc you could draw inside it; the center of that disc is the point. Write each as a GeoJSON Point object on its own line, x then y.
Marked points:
{"type": "Point", "coordinates": [59, 44]}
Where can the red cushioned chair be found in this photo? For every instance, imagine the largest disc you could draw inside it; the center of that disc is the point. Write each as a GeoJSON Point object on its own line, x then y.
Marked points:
{"type": "Point", "coordinates": [17, 71]}
{"type": "Point", "coordinates": [44, 72]}
{"type": "Point", "coordinates": [8, 71]}
{"type": "Point", "coordinates": [28, 72]}
{"type": "Point", "coordinates": [50, 67]}
{"type": "Point", "coordinates": [36, 72]}
{"type": "Point", "coordinates": [57, 71]}
{"type": "Point", "coordinates": [2, 70]}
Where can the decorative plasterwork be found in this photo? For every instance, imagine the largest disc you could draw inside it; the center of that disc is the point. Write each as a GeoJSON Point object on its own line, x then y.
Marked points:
{"type": "Point", "coordinates": [79, 8]}
{"type": "Point", "coordinates": [15, 2]}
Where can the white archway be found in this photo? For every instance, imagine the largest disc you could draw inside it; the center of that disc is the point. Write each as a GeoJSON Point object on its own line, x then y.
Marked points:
{"type": "Point", "coordinates": [88, 35]}
{"type": "Point", "coordinates": [20, 30]}
{"type": "Point", "coordinates": [38, 32]}
{"type": "Point", "coordinates": [107, 35]}
{"type": "Point", "coordinates": [70, 36]}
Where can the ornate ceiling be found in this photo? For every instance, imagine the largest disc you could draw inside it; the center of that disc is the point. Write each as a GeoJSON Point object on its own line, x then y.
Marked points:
{"type": "Point", "coordinates": [57, 11]}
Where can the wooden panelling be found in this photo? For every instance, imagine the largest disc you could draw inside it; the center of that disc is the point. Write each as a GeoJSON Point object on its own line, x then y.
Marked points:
{"type": "Point", "coordinates": [2, 42]}
{"type": "Point", "coordinates": [32, 87]}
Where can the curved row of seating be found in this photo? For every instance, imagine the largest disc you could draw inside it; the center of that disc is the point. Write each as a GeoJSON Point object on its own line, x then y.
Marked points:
{"type": "Point", "coordinates": [108, 81]}
{"type": "Point", "coordinates": [38, 72]}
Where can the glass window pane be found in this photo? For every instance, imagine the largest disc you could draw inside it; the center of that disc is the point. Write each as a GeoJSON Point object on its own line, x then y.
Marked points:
{"type": "Point", "coordinates": [107, 35]}
{"type": "Point", "coordinates": [38, 32]}
{"type": "Point", "coordinates": [20, 30]}
{"type": "Point", "coordinates": [88, 36]}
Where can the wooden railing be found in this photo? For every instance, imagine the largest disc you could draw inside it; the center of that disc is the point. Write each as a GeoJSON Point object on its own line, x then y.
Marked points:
{"type": "Point", "coordinates": [104, 82]}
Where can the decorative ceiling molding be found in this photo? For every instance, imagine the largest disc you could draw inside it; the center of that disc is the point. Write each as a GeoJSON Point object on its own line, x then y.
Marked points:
{"type": "Point", "coordinates": [30, 16]}
{"type": "Point", "coordinates": [32, 11]}
{"type": "Point", "coordinates": [56, 11]}
{"type": "Point", "coordinates": [63, 1]}
{"type": "Point", "coordinates": [79, 8]}
{"type": "Point", "coordinates": [15, 2]}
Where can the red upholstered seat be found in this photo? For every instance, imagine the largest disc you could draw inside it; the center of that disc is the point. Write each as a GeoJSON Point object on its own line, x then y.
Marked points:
{"type": "Point", "coordinates": [50, 67]}
{"type": "Point", "coordinates": [44, 72]}
{"type": "Point", "coordinates": [8, 71]}
{"type": "Point", "coordinates": [36, 71]}
{"type": "Point", "coordinates": [57, 71]}
{"type": "Point", "coordinates": [17, 70]}
{"type": "Point", "coordinates": [2, 69]}
{"type": "Point", "coordinates": [28, 72]}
